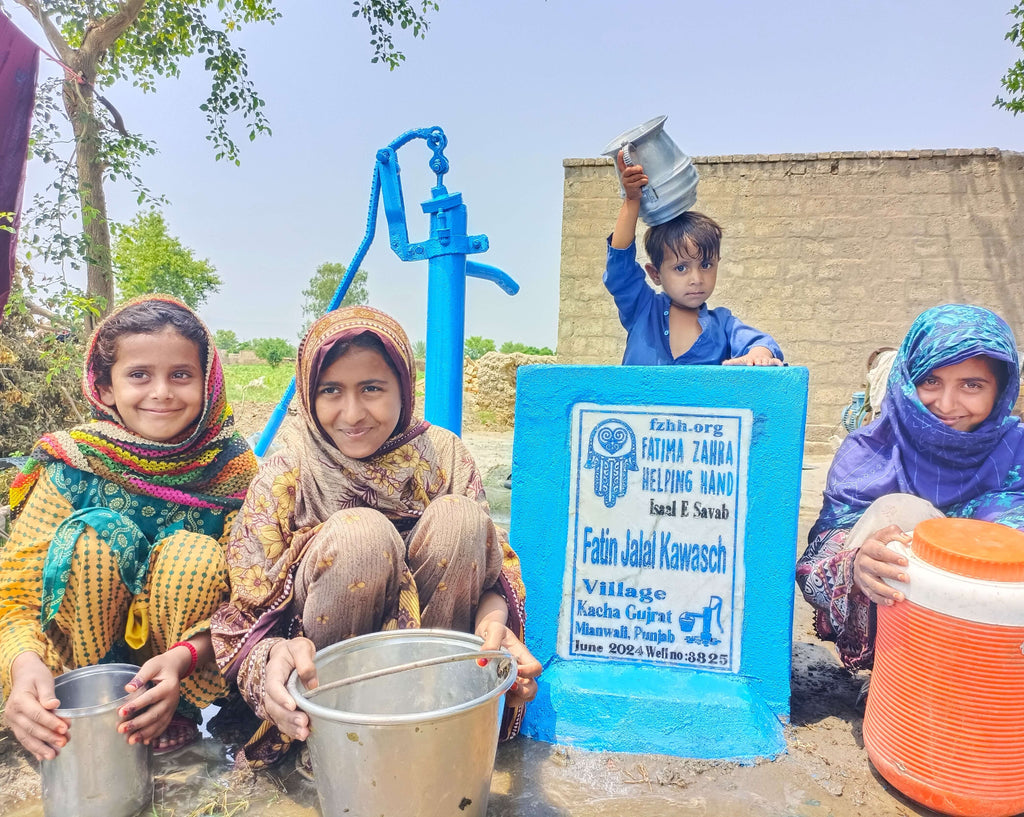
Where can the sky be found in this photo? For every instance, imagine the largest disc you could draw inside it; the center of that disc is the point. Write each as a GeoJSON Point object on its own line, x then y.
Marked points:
{"type": "Point", "coordinates": [518, 87]}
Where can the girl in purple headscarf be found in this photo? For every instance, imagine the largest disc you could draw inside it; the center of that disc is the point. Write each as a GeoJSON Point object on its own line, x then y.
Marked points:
{"type": "Point", "coordinates": [944, 445]}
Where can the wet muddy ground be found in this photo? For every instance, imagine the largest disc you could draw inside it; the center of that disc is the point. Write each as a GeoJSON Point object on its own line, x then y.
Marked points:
{"type": "Point", "coordinates": [824, 773]}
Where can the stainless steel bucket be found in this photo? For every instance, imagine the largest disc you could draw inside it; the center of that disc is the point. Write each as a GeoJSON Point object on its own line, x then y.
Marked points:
{"type": "Point", "coordinates": [672, 185]}
{"type": "Point", "coordinates": [417, 743]}
{"type": "Point", "coordinates": [97, 774]}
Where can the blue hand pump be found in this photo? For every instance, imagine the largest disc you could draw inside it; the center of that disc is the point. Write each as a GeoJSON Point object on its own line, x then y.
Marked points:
{"type": "Point", "coordinates": [445, 252]}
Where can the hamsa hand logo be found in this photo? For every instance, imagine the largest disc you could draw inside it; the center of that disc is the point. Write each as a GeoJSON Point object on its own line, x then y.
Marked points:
{"type": "Point", "coordinates": [612, 455]}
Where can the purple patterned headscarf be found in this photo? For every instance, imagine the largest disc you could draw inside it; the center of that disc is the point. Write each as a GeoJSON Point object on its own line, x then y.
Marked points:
{"type": "Point", "coordinates": [975, 474]}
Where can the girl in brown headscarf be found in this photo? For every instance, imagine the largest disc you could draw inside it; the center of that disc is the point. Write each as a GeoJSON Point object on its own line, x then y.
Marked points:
{"type": "Point", "coordinates": [370, 520]}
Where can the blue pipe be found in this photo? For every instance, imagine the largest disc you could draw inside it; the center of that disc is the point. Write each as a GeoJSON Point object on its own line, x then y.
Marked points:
{"type": "Point", "coordinates": [446, 317]}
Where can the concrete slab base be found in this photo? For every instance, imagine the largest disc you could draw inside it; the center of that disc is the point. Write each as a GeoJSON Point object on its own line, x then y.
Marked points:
{"type": "Point", "coordinates": [684, 713]}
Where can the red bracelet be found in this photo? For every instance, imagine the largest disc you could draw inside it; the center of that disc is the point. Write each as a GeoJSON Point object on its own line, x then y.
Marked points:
{"type": "Point", "coordinates": [195, 656]}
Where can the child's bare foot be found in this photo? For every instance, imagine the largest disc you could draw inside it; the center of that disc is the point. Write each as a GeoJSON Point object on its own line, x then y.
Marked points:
{"type": "Point", "coordinates": [180, 732]}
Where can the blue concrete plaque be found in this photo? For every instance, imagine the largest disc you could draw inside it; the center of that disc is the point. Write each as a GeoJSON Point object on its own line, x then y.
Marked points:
{"type": "Point", "coordinates": [654, 559]}
{"type": "Point", "coordinates": [655, 513]}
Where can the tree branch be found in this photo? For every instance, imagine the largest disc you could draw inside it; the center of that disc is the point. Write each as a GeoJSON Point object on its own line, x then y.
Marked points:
{"type": "Point", "coordinates": [52, 33]}
{"type": "Point", "coordinates": [72, 404]}
{"type": "Point", "coordinates": [42, 312]}
{"type": "Point", "coordinates": [100, 37]}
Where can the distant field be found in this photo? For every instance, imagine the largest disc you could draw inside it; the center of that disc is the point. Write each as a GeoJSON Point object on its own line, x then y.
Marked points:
{"type": "Point", "coordinates": [253, 401]}
{"type": "Point", "coordinates": [244, 386]}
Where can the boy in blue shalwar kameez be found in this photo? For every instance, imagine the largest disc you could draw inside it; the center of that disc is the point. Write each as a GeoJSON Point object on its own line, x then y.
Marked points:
{"type": "Point", "coordinates": [675, 326]}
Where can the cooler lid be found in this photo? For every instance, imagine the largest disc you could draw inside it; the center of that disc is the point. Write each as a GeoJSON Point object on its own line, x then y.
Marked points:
{"type": "Point", "coordinates": [971, 547]}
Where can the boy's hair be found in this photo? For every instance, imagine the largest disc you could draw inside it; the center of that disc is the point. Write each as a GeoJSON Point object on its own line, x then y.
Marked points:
{"type": "Point", "coordinates": [145, 318]}
{"type": "Point", "coordinates": [364, 340]}
{"type": "Point", "coordinates": [684, 232]}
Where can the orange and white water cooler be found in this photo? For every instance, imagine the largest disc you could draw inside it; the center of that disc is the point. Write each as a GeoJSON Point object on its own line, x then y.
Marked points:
{"type": "Point", "coordinates": [945, 714]}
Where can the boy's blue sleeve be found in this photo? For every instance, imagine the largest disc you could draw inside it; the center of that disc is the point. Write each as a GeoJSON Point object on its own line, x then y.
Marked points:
{"type": "Point", "coordinates": [625, 279]}
{"type": "Point", "coordinates": [743, 338]}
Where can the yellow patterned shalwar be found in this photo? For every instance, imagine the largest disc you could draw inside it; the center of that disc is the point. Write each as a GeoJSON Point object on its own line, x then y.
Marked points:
{"type": "Point", "coordinates": [186, 581]}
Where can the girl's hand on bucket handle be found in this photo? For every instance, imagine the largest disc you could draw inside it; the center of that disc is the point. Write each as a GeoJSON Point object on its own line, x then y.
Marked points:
{"type": "Point", "coordinates": [524, 689]}
{"type": "Point", "coordinates": [497, 636]}
{"type": "Point", "coordinates": [875, 562]}
{"type": "Point", "coordinates": [285, 656]}
{"type": "Point", "coordinates": [29, 710]}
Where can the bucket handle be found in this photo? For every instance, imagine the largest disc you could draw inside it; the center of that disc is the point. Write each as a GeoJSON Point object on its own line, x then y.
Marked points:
{"type": "Point", "coordinates": [503, 669]}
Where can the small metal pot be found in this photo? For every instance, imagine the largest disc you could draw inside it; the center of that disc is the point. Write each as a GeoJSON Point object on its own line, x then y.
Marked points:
{"type": "Point", "coordinates": [97, 774]}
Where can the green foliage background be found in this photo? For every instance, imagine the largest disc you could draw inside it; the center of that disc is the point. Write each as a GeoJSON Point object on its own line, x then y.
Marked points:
{"type": "Point", "coordinates": [273, 350]}
{"type": "Point", "coordinates": [476, 347]}
{"type": "Point", "coordinates": [39, 379]}
{"type": "Point", "coordinates": [147, 259]}
{"type": "Point", "coordinates": [1013, 80]}
{"type": "Point", "coordinates": [319, 293]}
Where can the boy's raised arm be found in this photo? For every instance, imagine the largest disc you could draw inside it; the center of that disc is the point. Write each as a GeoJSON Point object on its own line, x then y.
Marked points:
{"type": "Point", "coordinates": [633, 181]}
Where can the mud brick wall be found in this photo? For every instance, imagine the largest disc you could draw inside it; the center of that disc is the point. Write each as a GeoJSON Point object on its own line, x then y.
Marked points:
{"type": "Point", "coordinates": [834, 254]}
{"type": "Point", "coordinates": [496, 383]}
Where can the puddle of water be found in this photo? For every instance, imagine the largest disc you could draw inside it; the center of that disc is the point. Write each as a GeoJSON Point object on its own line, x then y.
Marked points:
{"type": "Point", "coordinates": [531, 779]}
{"type": "Point", "coordinates": [823, 776]}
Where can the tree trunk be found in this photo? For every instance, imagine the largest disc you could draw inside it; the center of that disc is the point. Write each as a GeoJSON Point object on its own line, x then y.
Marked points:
{"type": "Point", "coordinates": [79, 98]}
{"type": "Point", "coordinates": [78, 102]}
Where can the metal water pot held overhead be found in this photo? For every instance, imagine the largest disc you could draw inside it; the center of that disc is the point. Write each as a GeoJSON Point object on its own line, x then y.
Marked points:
{"type": "Point", "coordinates": [672, 186]}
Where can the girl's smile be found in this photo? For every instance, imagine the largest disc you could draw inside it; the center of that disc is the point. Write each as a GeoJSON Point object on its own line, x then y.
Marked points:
{"type": "Point", "coordinates": [961, 396]}
{"type": "Point", "coordinates": [156, 384]}
{"type": "Point", "coordinates": [358, 402]}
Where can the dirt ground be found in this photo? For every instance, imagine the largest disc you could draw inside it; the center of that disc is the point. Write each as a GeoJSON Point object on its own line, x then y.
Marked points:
{"type": "Point", "coordinates": [824, 773]}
